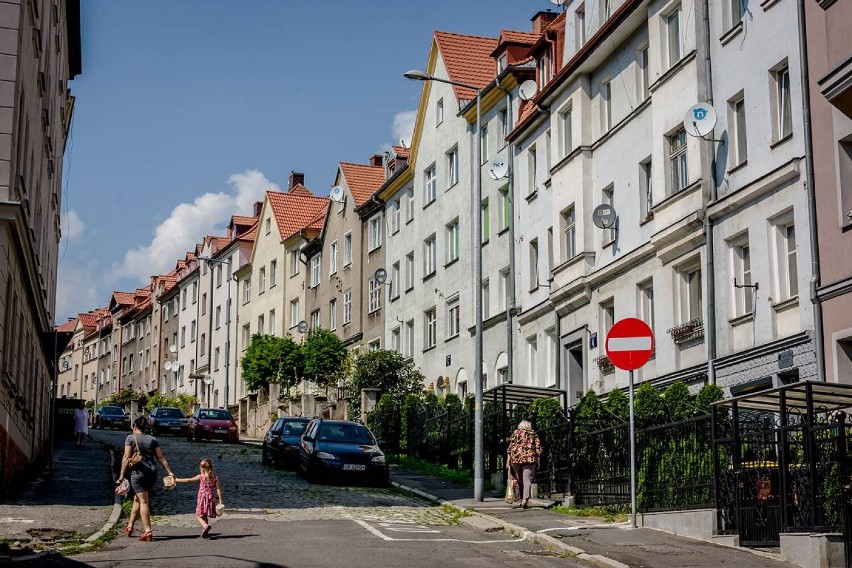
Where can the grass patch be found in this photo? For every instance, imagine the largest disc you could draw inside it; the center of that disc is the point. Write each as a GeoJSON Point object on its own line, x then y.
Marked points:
{"type": "Point", "coordinates": [608, 514]}
{"type": "Point", "coordinates": [454, 514]}
{"type": "Point", "coordinates": [441, 471]}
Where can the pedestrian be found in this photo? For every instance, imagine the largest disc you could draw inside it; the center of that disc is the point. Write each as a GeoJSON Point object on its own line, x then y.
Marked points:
{"type": "Point", "coordinates": [524, 458]}
{"type": "Point", "coordinates": [143, 474]}
{"type": "Point", "coordinates": [81, 423]}
{"type": "Point", "coordinates": [205, 505]}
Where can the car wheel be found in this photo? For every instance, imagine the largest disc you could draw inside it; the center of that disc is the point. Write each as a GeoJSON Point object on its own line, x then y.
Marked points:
{"type": "Point", "coordinates": [264, 457]}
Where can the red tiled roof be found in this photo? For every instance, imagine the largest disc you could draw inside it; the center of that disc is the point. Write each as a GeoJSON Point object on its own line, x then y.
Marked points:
{"type": "Point", "coordinates": [317, 222]}
{"type": "Point", "coordinates": [468, 60]}
{"type": "Point", "coordinates": [123, 298]}
{"type": "Point", "coordinates": [295, 209]}
{"type": "Point", "coordinates": [90, 319]}
{"type": "Point", "coordinates": [68, 326]}
{"type": "Point", "coordinates": [401, 152]}
{"type": "Point", "coordinates": [243, 220]}
{"type": "Point", "coordinates": [362, 180]}
{"type": "Point", "coordinates": [251, 234]}
{"type": "Point", "coordinates": [514, 36]}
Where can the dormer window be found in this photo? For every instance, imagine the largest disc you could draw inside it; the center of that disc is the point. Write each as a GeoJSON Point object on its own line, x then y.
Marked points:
{"type": "Point", "coordinates": [502, 62]}
{"type": "Point", "coordinates": [391, 167]}
{"type": "Point", "coordinates": [545, 69]}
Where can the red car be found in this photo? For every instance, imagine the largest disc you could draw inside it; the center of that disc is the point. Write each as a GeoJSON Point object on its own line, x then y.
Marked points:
{"type": "Point", "coordinates": [212, 424]}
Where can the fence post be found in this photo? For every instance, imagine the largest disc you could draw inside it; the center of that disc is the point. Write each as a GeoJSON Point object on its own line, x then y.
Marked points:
{"type": "Point", "coordinates": [783, 460]}
{"type": "Point", "coordinates": [570, 454]}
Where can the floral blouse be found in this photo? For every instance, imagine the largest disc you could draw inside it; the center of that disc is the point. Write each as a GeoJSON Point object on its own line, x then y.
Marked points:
{"type": "Point", "coordinates": [524, 447]}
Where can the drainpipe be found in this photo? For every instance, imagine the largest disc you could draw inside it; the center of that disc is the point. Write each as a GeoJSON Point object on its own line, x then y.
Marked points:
{"type": "Point", "coordinates": [811, 189]}
{"type": "Point", "coordinates": [710, 328]}
{"type": "Point", "coordinates": [510, 305]}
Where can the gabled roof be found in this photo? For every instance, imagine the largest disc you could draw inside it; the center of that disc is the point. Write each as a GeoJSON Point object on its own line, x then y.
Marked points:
{"type": "Point", "coordinates": [243, 220]}
{"type": "Point", "coordinates": [123, 298]}
{"type": "Point", "coordinates": [468, 60]}
{"type": "Point", "coordinates": [68, 326]}
{"type": "Point", "coordinates": [294, 209]}
{"type": "Point", "coordinates": [251, 234]}
{"type": "Point", "coordinates": [401, 152]}
{"type": "Point", "coordinates": [514, 36]}
{"type": "Point", "coordinates": [362, 180]}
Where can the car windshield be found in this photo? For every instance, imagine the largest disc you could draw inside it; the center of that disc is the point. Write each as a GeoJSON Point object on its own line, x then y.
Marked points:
{"type": "Point", "coordinates": [170, 413]}
{"type": "Point", "coordinates": [214, 415]}
{"type": "Point", "coordinates": [345, 434]}
{"type": "Point", "coordinates": [294, 427]}
{"type": "Point", "coordinates": [112, 410]}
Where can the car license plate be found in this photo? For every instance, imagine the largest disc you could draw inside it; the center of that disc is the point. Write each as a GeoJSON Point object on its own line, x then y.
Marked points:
{"type": "Point", "coordinates": [174, 427]}
{"type": "Point", "coordinates": [221, 431]}
{"type": "Point", "coordinates": [354, 467]}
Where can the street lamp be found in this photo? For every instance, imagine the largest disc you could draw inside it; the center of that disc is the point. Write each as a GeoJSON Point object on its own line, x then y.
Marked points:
{"type": "Point", "coordinates": [478, 462]}
{"type": "Point", "coordinates": [226, 262]}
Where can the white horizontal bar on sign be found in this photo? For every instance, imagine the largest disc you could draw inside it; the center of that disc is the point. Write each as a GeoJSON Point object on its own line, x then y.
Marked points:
{"type": "Point", "coordinates": [629, 344]}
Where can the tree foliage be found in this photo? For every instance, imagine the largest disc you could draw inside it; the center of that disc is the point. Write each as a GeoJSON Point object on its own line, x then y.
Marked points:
{"type": "Point", "coordinates": [679, 401]}
{"type": "Point", "coordinates": [184, 401]}
{"type": "Point", "coordinates": [324, 357]}
{"type": "Point", "coordinates": [271, 359]}
{"type": "Point", "coordinates": [649, 406]}
{"type": "Point", "coordinates": [587, 413]}
{"type": "Point", "coordinates": [708, 395]}
{"type": "Point", "coordinates": [617, 407]}
{"type": "Point", "coordinates": [387, 371]}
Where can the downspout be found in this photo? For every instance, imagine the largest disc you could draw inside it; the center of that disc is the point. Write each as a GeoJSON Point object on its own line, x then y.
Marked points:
{"type": "Point", "coordinates": [811, 189]}
{"type": "Point", "coordinates": [510, 305]}
{"type": "Point", "coordinates": [710, 328]}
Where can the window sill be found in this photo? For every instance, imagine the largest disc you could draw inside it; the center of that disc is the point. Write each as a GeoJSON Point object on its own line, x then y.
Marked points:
{"type": "Point", "coordinates": [425, 205]}
{"type": "Point", "coordinates": [347, 266]}
{"type": "Point", "coordinates": [731, 33]}
{"type": "Point", "coordinates": [739, 166]}
{"type": "Point", "coordinates": [451, 186]}
{"type": "Point", "coordinates": [502, 231]}
{"type": "Point", "coordinates": [395, 298]}
{"type": "Point", "coordinates": [547, 183]}
{"type": "Point", "coordinates": [409, 221]}
{"type": "Point", "coordinates": [531, 195]}
{"type": "Point", "coordinates": [608, 243]}
{"type": "Point", "coordinates": [407, 290]}
{"type": "Point", "coordinates": [781, 141]}
{"type": "Point", "coordinates": [672, 71]}
{"type": "Point", "coordinates": [374, 249]}
{"type": "Point", "coordinates": [450, 263]}
{"type": "Point", "coordinates": [767, 4]}
{"type": "Point", "coordinates": [294, 275]}
{"type": "Point", "coordinates": [671, 198]}
{"type": "Point", "coordinates": [428, 276]}
{"type": "Point", "coordinates": [786, 304]}
{"type": "Point", "coordinates": [740, 320]}
{"type": "Point", "coordinates": [450, 338]}
{"type": "Point", "coordinates": [427, 349]}
{"type": "Point", "coordinates": [484, 242]}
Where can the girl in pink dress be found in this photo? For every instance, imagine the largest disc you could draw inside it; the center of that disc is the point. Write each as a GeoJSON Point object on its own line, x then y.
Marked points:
{"type": "Point", "coordinates": [205, 506]}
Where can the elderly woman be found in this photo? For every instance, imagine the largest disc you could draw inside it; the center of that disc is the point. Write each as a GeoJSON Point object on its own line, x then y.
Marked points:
{"type": "Point", "coordinates": [524, 457]}
{"type": "Point", "coordinates": [143, 475]}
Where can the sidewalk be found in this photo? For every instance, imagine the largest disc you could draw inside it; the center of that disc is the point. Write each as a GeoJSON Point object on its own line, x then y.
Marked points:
{"type": "Point", "coordinates": [605, 544]}
{"type": "Point", "coordinates": [72, 502]}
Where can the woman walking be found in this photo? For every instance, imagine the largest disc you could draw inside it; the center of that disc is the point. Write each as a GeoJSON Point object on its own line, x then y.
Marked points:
{"type": "Point", "coordinates": [524, 457]}
{"type": "Point", "coordinates": [143, 474]}
{"type": "Point", "coordinates": [81, 423]}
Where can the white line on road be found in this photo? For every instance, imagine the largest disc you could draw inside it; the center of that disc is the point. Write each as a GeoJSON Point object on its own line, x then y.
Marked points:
{"type": "Point", "coordinates": [385, 537]}
{"type": "Point", "coordinates": [629, 344]}
{"type": "Point", "coordinates": [580, 527]}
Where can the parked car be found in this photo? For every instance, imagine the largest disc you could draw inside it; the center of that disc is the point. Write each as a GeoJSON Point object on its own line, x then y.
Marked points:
{"type": "Point", "coordinates": [281, 443]}
{"type": "Point", "coordinates": [212, 424]}
{"type": "Point", "coordinates": [111, 417]}
{"type": "Point", "coordinates": [164, 419]}
{"type": "Point", "coordinates": [339, 450]}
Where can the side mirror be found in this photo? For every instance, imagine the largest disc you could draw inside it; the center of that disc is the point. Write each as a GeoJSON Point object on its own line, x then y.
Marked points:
{"type": "Point", "coordinates": [382, 445]}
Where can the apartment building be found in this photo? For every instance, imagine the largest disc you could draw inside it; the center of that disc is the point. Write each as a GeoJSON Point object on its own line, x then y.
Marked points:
{"type": "Point", "coordinates": [41, 52]}
{"type": "Point", "coordinates": [167, 296]}
{"type": "Point", "coordinates": [187, 314]}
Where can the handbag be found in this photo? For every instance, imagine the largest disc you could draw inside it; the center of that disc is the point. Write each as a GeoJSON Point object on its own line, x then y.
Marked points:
{"type": "Point", "coordinates": [169, 482]}
{"type": "Point", "coordinates": [510, 493]}
{"type": "Point", "coordinates": [136, 456]}
{"type": "Point", "coordinates": [122, 488]}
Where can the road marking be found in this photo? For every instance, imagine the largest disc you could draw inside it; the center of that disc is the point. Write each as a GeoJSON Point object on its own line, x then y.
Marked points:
{"type": "Point", "coordinates": [629, 344]}
{"type": "Point", "coordinates": [16, 520]}
{"type": "Point", "coordinates": [385, 537]}
{"type": "Point", "coordinates": [580, 527]}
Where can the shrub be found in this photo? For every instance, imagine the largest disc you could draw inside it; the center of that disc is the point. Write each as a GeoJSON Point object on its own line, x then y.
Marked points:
{"type": "Point", "coordinates": [617, 407]}
{"type": "Point", "coordinates": [678, 401]}
{"type": "Point", "coordinates": [587, 413]}
{"type": "Point", "coordinates": [649, 406]}
{"type": "Point", "coordinates": [708, 395]}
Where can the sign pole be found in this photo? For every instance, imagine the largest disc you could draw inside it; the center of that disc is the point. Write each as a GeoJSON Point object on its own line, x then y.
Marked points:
{"type": "Point", "coordinates": [632, 458]}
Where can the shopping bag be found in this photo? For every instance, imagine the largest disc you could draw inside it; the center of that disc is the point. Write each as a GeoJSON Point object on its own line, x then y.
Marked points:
{"type": "Point", "coordinates": [122, 488]}
{"type": "Point", "coordinates": [510, 492]}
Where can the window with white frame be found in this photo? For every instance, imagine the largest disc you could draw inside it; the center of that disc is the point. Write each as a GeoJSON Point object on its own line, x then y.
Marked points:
{"type": "Point", "coordinates": [505, 212]}
{"type": "Point", "coordinates": [580, 27]}
{"type": "Point", "coordinates": [218, 316]}
{"type": "Point", "coordinates": [607, 316]}
{"type": "Point", "coordinates": [396, 344]}
{"type": "Point", "coordinates": [194, 292]}
{"type": "Point", "coordinates": [272, 322]}
{"type": "Point", "coordinates": [673, 35]}
{"type": "Point", "coordinates": [332, 260]}
{"type": "Point", "coordinates": [781, 104]}
{"type": "Point", "coordinates": [545, 68]}
{"type": "Point", "coordinates": [737, 130]}
{"type": "Point", "coordinates": [183, 298]}
{"type": "Point", "coordinates": [247, 291]}
{"type": "Point", "coordinates": [409, 206]}
{"type": "Point", "coordinates": [787, 269]}
{"type": "Point", "coordinates": [483, 142]}
{"type": "Point", "coordinates": [273, 273]}
{"type": "Point", "coordinates": [453, 167]}
{"type": "Point", "coordinates": [741, 264]}
{"type": "Point", "coordinates": [295, 313]}
{"type": "Point", "coordinates": [246, 337]}
{"type": "Point", "coordinates": [430, 183]}
{"type": "Point", "coordinates": [408, 344]}
{"type": "Point", "coordinates": [533, 268]}
{"type": "Point", "coordinates": [430, 328]}
{"type": "Point", "coordinates": [452, 241]}
{"type": "Point", "coordinates": [347, 307]}
{"type": "Point", "coordinates": [218, 275]}
{"type": "Point", "coordinates": [268, 225]}
{"type": "Point", "coordinates": [396, 214]}
{"type": "Point", "coordinates": [347, 249]}
{"type": "Point", "coordinates": [295, 262]}
{"type": "Point", "coordinates": [548, 148]}
{"type": "Point", "coordinates": [606, 105]}
{"type": "Point", "coordinates": [316, 263]}
{"type": "Point", "coordinates": [566, 140]}
{"type": "Point", "coordinates": [332, 314]}
{"type": "Point", "coordinates": [504, 126]}
{"type": "Point", "coordinates": [182, 337]}
{"type": "Point", "coordinates": [216, 359]}
{"type": "Point", "coordinates": [374, 296]}
{"type": "Point", "coordinates": [453, 319]}
{"type": "Point", "coordinates": [261, 280]}
{"type": "Point", "coordinates": [409, 271]}
{"type": "Point", "coordinates": [646, 189]}
{"type": "Point", "coordinates": [439, 112]}
{"type": "Point", "coordinates": [735, 11]}
{"type": "Point", "coordinates": [430, 256]}
{"type": "Point", "coordinates": [532, 165]}
{"type": "Point", "coordinates": [315, 319]}
{"type": "Point", "coordinates": [486, 220]}
{"type": "Point", "coordinates": [689, 293]}
{"type": "Point", "coordinates": [503, 290]}
{"type": "Point", "coordinates": [260, 327]}
{"type": "Point", "coordinates": [374, 345]}
{"type": "Point", "coordinates": [486, 300]}
{"type": "Point", "coordinates": [644, 72]}
{"type": "Point", "coordinates": [568, 230]}
{"type": "Point", "coordinates": [532, 359]}
{"type": "Point", "coordinates": [394, 281]}
{"type": "Point", "coordinates": [679, 176]}
{"type": "Point", "coordinates": [374, 233]}
{"type": "Point", "coordinates": [646, 302]}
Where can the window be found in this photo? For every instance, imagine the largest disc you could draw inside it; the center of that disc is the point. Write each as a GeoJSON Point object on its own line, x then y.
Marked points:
{"type": "Point", "coordinates": [737, 129]}
{"type": "Point", "coordinates": [533, 256]}
{"type": "Point", "coordinates": [374, 233]}
{"type": "Point", "coordinates": [261, 280]}
{"type": "Point", "coordinates": [374, 296]}
{"type": "Point", "coordinates": [247, 291]}
{"type": "Point", "coordinates": [677, 161]}
{"type": "Point", "coordinates": [216, 359]}
{"type": "Point", "coordinates": [788, 271]}
{"type": "Point", "coordinates": [566, 141]}
{"type": "Point", "coordinates": [486, 303]}
{"type": "Point", "coordinates": [502, 61]}
{"type": "Point", "coordinates": [203, 345]}
{"type": "Point", "coordinates": [260, 324]}
{"type": "Point", "coordinates": [246, 336]}
{"type": "Point", "coordinates": [295, 262]}
{"type": "Point", "coordinates": [503, 290]}
{"type": "Point", "coordinates": [568, 228]}
{"type": "Point", "coordinates": [486, 220]}
{"type": "Point", "coordinates": [549, 251]}
{"type": "Point", "coordinates": [315, 270]}
{"type": "Point", "coordinates": [396, 214]}
{"type": "Point", "coordinates": [743, 294]}
{"type": "Point", "coordinates": [504, 126]}
{"type": "Point", "coordinates": [606, 105]}
{"type": "Point", "coordinates": [194, 329]}
{"type": "Point", "coordinates": [194, 292]}
{"type": "Point", "coordinates": [203, 312]}
{"type": "Point", "coordinates": [646, 189]}
{"type": "Point", "coordinates": [644, 63]}
{"type": "Point", "coordinates": [483, 142]}
{"type": "Point", "coordinates": [453, 241]}
{"type": "Point", "coordinates": [532, 356]}
{"type": "Point", "coordinates": [429, 256]}
{"type": "Point", "coordinates": [548, 144]}
{"type": "Point", "coordinates": [332, 314]}
{"type": "Point", "coordinates": [315, 319]}
{"type": "Point", "coordinates": [183, 336]}
{"type": "Point", "coordinates": [374, 345]}
{"type": "Point", "coordinates": [608, 198]}
{"type": "Point", "coordinates": [273, 273]}
{"type": "Point", "coordinates": [408, 345]}
{"type": "Point", "coordinates": [409, 206]}
{"type": "Point", "coordinates": [532, 164]}
{"type": "Point", "coordinates": [218, 275]}
{"type": "Point", "coordinates": [736, 7]}
{"type": "Point", "coordinates": [439, 112]}
{"type": "Point", "coordinates": [347, 249]}
{"type": "Point", "coordinates": [545, 68]}
{"type": "Point", "coordinates": [218, 316]}
{"type": "Point", "coordinates": [268, 225]}
{"type": "Point", "coordinates": [690, 294]}
{"type": "Point", "coordinates": [394, 281]}
{"type": "Point", "coordinates": [430, 330]}
{"type": "Point", "coordinates": [580, 26]}
{"type": "Point", "coordinates": [646, 303]}
{"type": "Point", "coordinates": [396, 345]}
{"type": "Point", "coordinates": [409, 271]}
{"type": "Point", "coordinates": [672, 21]}
{"type": "Point", "coordinates": [783, 124]}
{"type": "Point", "coordinates": [431, 185]}
{"type": "Point", "coordinates": [347, 307]}
{"type": "Point", "coordinates": [505, 209]}
{"type": "Point", "coordinates": [183, 299]}
{"type": "Point", "coordinates": [607, 315]}
{"type": "Point", "coordinates": [452, 167]}
{"type": "Point", "coordinates": [272, 322]}
{"type": "Point", "coordinates": [453, 320]}
{"type": "Point", "coordinates": [295, 315]}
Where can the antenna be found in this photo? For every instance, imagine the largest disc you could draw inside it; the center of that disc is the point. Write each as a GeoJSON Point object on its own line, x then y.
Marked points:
{"type": "Point", "coordinates": [604, 216]}
{"type": "Point", "coordinates": [402, 143]}
{"type": "Point", "coordinates": [381, 275]}
{"type": "Point", "coordinates": [560, 3]}
{"type": "Point", "coordinates": [498, 169]}
{"type": "Point", "coordinates": [700, 120]}
{"type": "Point", "coordinates": [527, 90]}
{"type": "Point", "coordinates": [336, 194]}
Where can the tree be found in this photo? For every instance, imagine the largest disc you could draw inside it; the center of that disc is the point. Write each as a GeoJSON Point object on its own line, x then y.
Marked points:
{"type": "Point", "coordinates": [649, 407]}
{"type": "Point", "coordinates": [679, 401]}
{"type": "Point", "coordinates": [617, 407]}
{"type": "Point", "coordinates": [271, 359]}
{"type": "Point", "coordinates": [387, 371]}
{"type": "Point", "coordinates": [708, 395]}
{"type": "Point", "coordinates": [325, 357]}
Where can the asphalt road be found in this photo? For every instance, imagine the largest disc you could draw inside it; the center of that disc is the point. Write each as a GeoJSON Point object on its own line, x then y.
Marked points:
{"type": "Point", "coordinates": [275, 519]}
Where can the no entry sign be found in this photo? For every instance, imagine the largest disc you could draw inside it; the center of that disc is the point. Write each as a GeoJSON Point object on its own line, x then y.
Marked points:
{"type": "Point", "coordinates": [629, 344]}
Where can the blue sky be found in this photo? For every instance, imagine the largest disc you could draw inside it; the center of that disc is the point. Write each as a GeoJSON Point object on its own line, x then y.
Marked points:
{"type": "Point", "coordinates": [187, 111]}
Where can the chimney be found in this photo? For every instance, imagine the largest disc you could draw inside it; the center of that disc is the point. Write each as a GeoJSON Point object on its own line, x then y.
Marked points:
{"type": "Point", "coordinates": [258, 205]}
{"type": "Point", "coordinates": [296, 178]}
{"type": "Point", "coordinates": [377, 160]}
{"type": "Point", "coordinates": [541, 20]}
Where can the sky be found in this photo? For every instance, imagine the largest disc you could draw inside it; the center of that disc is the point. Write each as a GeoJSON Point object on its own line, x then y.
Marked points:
{"type": "Point", "coordinates": [187, 112]}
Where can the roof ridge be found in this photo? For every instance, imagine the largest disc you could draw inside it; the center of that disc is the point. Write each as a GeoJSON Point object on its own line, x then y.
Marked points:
{"type": "Point", "coordinates": [465, 35]}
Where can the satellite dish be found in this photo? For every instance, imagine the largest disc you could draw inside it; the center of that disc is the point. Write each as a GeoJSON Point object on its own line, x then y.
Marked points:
{"type": "Point", "coordinates": [208, 379]}
{"type": "Point", "coordinates": [167, 365]}
{"type": "Point", "coordinates": [381, 275]}
{"type": "Point", "coordinates": [172, 348]}
{"type": "Point", "coordinates": [302, 327]}
{"type": "Point", "coordinates": [604, 216]}
{"type": "Point", "coordinates": [336, 193]}
{"type": "Point", "coordinates": [402, 143]}
{"type": "Point", "coordinates": [559, 2]}
{"type": "Point", "coordinates": [700, 120]}
{"type": "Point", "coordinates": [498, 169]}
{"type": "Point", "coordinates": [527, 90]}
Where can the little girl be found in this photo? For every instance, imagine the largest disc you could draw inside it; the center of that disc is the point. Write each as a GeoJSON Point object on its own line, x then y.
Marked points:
{"type": "Point", "coordinates": [205, 506]}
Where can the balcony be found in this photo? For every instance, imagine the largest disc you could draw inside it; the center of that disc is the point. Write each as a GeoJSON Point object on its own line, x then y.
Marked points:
{"type": "Point", "coordinates": [687, 333]}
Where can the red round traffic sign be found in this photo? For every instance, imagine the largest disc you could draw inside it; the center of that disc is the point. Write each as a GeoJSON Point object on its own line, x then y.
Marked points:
{"type": "Point", "coordinates": [629, 344]}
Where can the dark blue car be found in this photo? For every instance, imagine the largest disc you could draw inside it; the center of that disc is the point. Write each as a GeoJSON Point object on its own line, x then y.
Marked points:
{"type": "Point", "coordinates": [281, 443]}
{"type": "Point", "coordinates": [111, 417]}
{"type": "Point", "coordinates": [167, 420]}
{"type": "Point", "coordinates": [341, 451]}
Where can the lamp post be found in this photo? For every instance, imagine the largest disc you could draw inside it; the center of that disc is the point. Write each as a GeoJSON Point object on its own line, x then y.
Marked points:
{"type": "Point", "coordinates": [478, 463]}
{"type": "Point", "coordinates": [226, 262]}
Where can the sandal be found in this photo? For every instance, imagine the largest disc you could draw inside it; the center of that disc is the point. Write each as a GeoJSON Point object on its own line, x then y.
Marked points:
{"type": "Point", "coordinates": [205, 531]}
{"type": "Point", "coordinates": [128, 530]}
{"type": "Point", "coordinates": [147, 536]}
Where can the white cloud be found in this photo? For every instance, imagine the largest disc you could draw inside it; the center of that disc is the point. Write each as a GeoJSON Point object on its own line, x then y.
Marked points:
{"type": "Point", "coordinates": [188, 223]}
{"type": "Point", "coordinates": [72, 226]}
{"type": "Point", "coordinates": [403, 126]}
{"type": "Point", "coordinates": [79, 289]}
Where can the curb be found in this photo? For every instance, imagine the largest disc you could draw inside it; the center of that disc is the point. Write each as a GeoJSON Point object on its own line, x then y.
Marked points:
{"type": "Point", "coordinates": [524, 533]}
